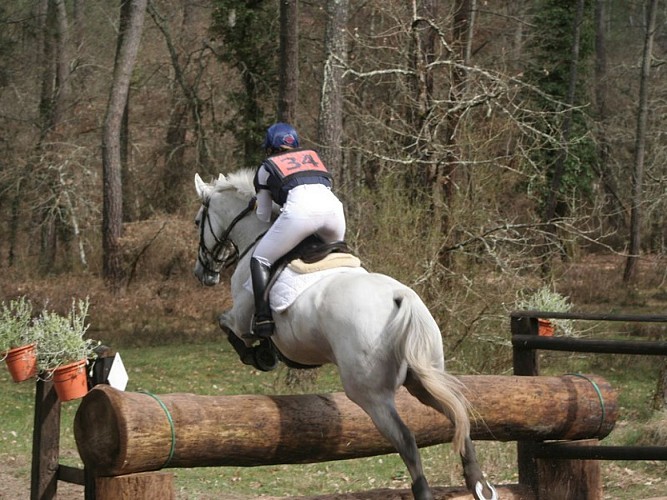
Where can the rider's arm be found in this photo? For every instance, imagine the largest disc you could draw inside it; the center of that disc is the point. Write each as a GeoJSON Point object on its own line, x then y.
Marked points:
{"type": "Point", "coordinates": [264, 199]}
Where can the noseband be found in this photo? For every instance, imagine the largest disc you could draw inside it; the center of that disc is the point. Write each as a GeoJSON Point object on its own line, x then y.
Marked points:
{"type": "Point", "coordinates": [222, 243]}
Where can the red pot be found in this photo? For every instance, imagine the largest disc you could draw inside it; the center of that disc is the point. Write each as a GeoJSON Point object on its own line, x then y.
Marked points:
{"type": "Point", "coordinates": [22, 362]}
{"type": "Point", "coordinates": [71, 381]}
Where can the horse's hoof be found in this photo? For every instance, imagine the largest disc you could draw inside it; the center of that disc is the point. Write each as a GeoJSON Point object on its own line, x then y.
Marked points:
{"type": "Point", "coordinates": [248, 357]}
{"type": "Point", "coordinates": [265, 356]}
{"type": "Point", "coordinates": [421, 490]}
{"type": "Point", "coordinates": [479, 491]}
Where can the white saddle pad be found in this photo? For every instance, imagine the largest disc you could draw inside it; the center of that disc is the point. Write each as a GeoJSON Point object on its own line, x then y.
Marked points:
{"type": "Point", "coordinates": [290, 284]}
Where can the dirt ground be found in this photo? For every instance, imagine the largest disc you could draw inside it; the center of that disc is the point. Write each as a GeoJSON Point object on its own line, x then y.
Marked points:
{"type": "Point", "coordinates": [17, 487]}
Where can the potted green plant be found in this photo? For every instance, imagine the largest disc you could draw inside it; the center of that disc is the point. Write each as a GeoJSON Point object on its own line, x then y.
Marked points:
{"type": "Point", "coordinates": [547, 300]}
{"type": "Point", "coordinates": [18, 339]}
{"type": "Point", "coordinates": [64, 352]}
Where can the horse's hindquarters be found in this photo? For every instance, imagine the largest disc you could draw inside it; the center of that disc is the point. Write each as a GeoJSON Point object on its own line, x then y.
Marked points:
{"type": "Point", "coordinates": [341, 317]}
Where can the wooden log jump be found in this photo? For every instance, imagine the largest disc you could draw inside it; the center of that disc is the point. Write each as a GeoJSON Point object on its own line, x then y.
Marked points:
{"type": "Point", "coordinates": [120, 433]}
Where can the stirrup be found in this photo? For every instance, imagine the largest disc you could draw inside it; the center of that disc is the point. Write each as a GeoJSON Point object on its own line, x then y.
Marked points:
{"type": "Point", "coordinates": [261, 329]}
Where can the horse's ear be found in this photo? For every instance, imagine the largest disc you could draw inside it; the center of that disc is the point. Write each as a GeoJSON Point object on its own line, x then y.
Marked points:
{"type": "Point", "coordinates": [202, 188]}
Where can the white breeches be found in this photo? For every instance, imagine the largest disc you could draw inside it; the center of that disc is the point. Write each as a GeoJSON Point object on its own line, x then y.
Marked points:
{"type": "Point", "coordinates": [309, 209]}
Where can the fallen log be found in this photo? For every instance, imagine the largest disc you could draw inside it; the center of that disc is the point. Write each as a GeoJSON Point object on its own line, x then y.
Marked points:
{"type": "Point", "coordinates": [125, 432]}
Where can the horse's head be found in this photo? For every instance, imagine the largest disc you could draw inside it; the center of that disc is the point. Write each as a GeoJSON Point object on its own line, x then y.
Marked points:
{"type": "Point", "coordinates": [224, 204]}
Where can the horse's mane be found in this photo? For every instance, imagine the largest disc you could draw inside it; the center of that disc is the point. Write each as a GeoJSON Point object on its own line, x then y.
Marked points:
{"type": "Point", "coordinates": [240, 181]}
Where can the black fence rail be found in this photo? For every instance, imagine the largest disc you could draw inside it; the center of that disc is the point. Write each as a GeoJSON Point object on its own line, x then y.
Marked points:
{"type": "Point", "coordinates": [526, 342]}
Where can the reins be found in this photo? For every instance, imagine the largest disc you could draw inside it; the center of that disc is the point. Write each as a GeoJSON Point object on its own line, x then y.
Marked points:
{"type": "Point", "coordinates": [222, 241]}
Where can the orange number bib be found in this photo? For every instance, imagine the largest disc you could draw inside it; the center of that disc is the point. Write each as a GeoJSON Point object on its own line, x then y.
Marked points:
{"type": "Point", "coordinates": [296, 162]}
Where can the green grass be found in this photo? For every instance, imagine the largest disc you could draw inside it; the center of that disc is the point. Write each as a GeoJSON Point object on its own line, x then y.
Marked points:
{"type": "Point", "coordinates": [212, 368]}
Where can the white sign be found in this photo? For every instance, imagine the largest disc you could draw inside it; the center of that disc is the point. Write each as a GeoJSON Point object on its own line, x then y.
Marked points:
{"type": "Point", "coordinates": [117, 374]}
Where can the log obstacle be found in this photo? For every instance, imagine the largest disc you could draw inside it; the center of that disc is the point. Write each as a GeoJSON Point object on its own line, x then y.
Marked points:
{"type": "Point", "coordinates": [120, 433]}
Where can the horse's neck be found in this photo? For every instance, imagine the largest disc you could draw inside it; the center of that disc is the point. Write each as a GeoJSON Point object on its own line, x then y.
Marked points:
{"type": "Point", "coordinates": [250, 232]}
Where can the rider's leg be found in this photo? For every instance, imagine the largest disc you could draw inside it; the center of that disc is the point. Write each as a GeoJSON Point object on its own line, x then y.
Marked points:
{"type": "Point", "coordinates": [296, 222]}
{"type": "Point", "coordinates": [284, 234]}
{"type": "Point", "coordinates": [260, 272]}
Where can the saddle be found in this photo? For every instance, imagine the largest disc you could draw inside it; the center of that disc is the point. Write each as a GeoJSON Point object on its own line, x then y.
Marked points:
{"type": "Point", "coordinates": [312, 255]}
{"type": "Point", "coordinates": [313, 249]}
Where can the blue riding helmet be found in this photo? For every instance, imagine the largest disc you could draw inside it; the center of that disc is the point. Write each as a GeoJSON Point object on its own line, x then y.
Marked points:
{"type": "Point", "coordinates": [281, 135]}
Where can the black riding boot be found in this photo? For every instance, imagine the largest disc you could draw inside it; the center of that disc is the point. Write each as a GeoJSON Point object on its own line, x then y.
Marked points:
{"type": "Point", "coordinates": [262, 325]}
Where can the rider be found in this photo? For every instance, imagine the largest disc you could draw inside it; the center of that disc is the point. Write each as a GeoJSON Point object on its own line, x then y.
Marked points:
{"type": "Point", "coordinates": [297, 180]}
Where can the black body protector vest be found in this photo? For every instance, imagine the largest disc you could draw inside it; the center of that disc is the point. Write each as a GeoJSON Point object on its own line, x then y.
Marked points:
{"type": "Point", "coordinates": [292, 168]}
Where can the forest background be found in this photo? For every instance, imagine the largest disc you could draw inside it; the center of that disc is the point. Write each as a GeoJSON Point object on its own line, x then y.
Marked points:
{"type": "Point", "coordinates": [482, 149]}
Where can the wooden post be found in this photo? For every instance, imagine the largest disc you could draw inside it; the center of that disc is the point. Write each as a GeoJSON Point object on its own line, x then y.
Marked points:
{"type": "Point", "coordinates": [141, 486]}
{"type": "Point", "coordinates": [45, 442]}
{"type": "Point", "coordinates": [526, 363]}
{"type": "Point", "coordinates": [561, 479]}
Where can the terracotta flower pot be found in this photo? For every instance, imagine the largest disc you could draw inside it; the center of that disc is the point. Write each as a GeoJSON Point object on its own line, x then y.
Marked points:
{"type": "Point", "coordinates": [545, 328]}
{"type": "Point", "coordinates": [71, 381]}
{"type": "Point", "coordinates": [22, 362]}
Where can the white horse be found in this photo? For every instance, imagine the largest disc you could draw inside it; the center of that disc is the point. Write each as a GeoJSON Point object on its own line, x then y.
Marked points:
{"type": "Point", "coordinates": [376, 330]}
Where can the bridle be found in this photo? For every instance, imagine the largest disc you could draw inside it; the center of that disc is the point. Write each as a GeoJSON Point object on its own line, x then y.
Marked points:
{"type": "Point", "coordinates": [224, 245]}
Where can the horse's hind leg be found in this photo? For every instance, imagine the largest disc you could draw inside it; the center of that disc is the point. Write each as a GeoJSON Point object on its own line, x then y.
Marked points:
{"type": "Point", "coordinates": [382, 411]}
{"type": "Point", "coordinates": [474, 478]}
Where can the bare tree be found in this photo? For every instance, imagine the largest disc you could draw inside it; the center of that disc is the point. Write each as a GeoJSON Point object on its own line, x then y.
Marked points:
{"type": "Point", "coordinates": [288, 88]}
{"type": "Point", "coordinates": [55, 77]}
{"type": "Point", "coordinates": [552, 205]}
{"type": "Point", "coordinates": [423, 38]}
{"type": "Point", "coordinates": [129, 37]}
{"type": "Point", "coordinates": [640, 147]}
{"type": "Point", "coordinates": [54, 101]}
{"type": "Point", "coordinates": [613, 200]}
{"type": "Point", "coordinates": [189, 64]}
{"type": "Point", "coordinates": [62, 59]}
{"type": "Point", "coordinates": [559, 167]}
{"type": "Point", "coordinates": [330, 122]}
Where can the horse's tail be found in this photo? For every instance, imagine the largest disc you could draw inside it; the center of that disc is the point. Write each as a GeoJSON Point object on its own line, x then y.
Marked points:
{"type": "Point", "coordinates": [422, 349]}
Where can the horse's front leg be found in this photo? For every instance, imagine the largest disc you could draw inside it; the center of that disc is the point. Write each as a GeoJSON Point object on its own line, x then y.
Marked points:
{"type": "Point", "coordinates": [262, 356]}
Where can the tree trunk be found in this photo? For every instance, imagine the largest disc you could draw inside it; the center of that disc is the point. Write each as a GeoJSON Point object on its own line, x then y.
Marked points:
{"type": "Point", "coordinates": [55, 77]}
{"type": "Point", "coordinates": [330, 123]}
{"type": "Point", "coordinates": [516, 10]}
{"type": "Point", "coordinates": [630, 273]}
{"type": "Point", "coordinates": [448, 174]}
{"type": "Point", "coordinates": [79, 19]}
{"type": "Point", "coordinates": [43, 58]}
{"type": "Point", "coordinates": [54, 101]}
{"type": "Point", "coordinates": [288, 89]}
{"type": "Point", "coordinates": [559, 168]}
{"type": "Point", "coordinates": [552, 206]}
{"type": "Point", "coordinates": [127, 185]}
{"type": "Point", "coordinates": [47, 121]}
{"type": "Point", "coordinates": [660, 396]}
{"type": "Point", "coordinates": [46, 107]}
{"type": "Point", "coordinates": [422, 176]}
{"type": "Point", "coordinates": [613, 200]}
{"type": "Point", "coordinates": [126, 52]}
{"type": "Point", "coordinates": [62, 94]}
{"type": "Point", "coordinates": [185, 101]}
